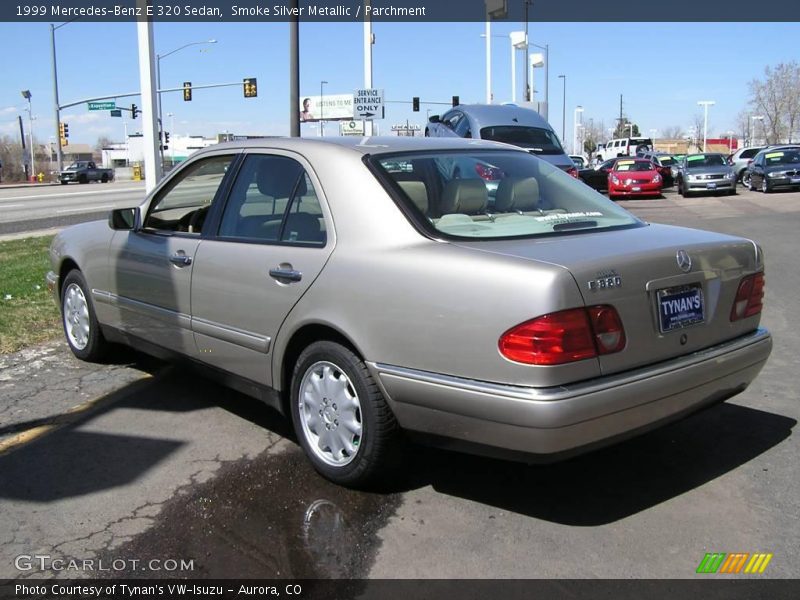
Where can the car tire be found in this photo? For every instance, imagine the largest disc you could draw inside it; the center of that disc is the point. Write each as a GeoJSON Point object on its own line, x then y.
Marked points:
{"type": "Point", "coordinates": [64, 183]}
{"type": "Point", "coordinates": [104, 178]}
{"type": "Point", "coordinates": [744, 177]}
{"type": "Point", "coordinates": [78, 318]}
{"type": "Point", "coordinates": [83, 179]}
{"type": "Point", "coordinates": [333, 389]}
{"type": "Point", "coordinates": [750, 185]}
{"type": "Point", "coordinates": [765, 186]}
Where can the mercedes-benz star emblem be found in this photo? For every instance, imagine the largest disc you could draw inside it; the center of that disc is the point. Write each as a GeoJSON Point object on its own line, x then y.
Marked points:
{"type": "Point", "coordinates": [684, 261]}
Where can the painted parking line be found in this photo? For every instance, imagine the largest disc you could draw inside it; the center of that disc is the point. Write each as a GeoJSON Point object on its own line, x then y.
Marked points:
{"type": "Point", "coordinates": [74, 414]}
{"type": "Point", "coordinates": [12, 205]}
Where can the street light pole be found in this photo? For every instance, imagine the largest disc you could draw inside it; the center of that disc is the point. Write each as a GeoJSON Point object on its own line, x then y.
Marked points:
{"type": "Point", "coordinates": [59, 157]}
{"type": "Point", "coordinates": [321, 108]}
{"type": "Point", "coordinates": [488, 61]}
{"type": "Point", "coordinates": [578, 110]}
{"type": "Point", "coordinates": [753, 128]}
{"type": "Point", "coordinates": [564, 108]}
{"type": "Point", "coordinates": [27, 95]}
{"type": "Point", "coordinates": [705, 104]}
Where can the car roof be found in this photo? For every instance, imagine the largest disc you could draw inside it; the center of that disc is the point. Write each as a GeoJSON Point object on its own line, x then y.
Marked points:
{"type": "Point", "coordinates": [362, 145]}
{"type": "Point", "coordinates": [502, 114]}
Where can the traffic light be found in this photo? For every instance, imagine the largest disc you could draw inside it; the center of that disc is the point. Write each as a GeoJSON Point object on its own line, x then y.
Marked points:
{"type": "Point", "coordinates": [415, 104]}
{"type": "Point", "coordinates": [456, 101]}
{"type": "Point", "coordinates": [166, 138]}
{"type": "Point", "coordinates": [250, 87]}
{"type": "Point", "coordinates": [134, 111]}
{"type": "Point", "coordinates": [63, 130]}
{"type": "Point", "coordinates": [187, 91]}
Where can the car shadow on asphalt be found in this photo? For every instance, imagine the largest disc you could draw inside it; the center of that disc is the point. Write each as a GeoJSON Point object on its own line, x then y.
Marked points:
{"type": "Point", "coordinates": [593, 489]}
{"type": "Point", "coordinates": [612, 483]}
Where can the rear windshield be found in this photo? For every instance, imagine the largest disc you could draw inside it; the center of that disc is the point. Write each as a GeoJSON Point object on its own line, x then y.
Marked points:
{"type": "Point", "coordinates": [705, 160]}
{"type": "Point", "coordinates": [666, 161]}
{"type": "Point", "coordinates": [633, 165]}
{"type": "Point", "coordinates": [495, 195]}
{"type": "Point", "coordinates": [783, 157]}
{"type": "Point", "coordinates": [537, 139]}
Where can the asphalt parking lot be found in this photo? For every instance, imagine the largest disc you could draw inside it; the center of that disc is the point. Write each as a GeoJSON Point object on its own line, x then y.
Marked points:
{"type": "Point", "coordinates": [139, 461]}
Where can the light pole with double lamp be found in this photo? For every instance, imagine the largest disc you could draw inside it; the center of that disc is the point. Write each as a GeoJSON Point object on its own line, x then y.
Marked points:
{"type": "Point", "coordinates": [27, 95]}
{"type": "Point", "coordinates": [705, 104]}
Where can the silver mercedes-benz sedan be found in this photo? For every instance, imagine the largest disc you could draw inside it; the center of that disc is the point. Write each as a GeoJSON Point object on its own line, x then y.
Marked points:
{"type": "Point", "coordinates": [364, 289]}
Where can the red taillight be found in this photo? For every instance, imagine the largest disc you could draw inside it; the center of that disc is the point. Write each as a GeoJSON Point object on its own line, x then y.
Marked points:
{"type": "Point", "coordinates": [749, 297]}
{"type": "Point", "coordinates": [573, 171]}
{"type": "Point", "coordinates": [487, 172]}
{"type": "Point", "coordinates": [564, 336]}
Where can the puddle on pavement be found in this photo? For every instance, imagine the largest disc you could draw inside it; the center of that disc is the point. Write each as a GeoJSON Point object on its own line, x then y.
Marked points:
{"type": "Point", "coordinates": [268, 517]}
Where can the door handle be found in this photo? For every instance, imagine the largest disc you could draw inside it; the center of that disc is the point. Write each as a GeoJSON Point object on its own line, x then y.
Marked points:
{"type": "Point", "coordinates": [179, 259]}
{"type": "Point", "coordinates": [284, 274]}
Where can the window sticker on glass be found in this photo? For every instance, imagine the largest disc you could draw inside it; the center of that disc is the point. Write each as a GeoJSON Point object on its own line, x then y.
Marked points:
{"type": "Point", "coordinates": [696, 157]}
{"type": "Point", "coordinates": [626, 162]}
{"type": "Point", "coordinates": [624, 167]}
{"type": "Point", "coordinates": [774, 155]}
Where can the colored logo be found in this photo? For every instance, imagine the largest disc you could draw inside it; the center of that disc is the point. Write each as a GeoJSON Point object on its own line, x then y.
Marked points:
{"type": "Point", "coordinates": [734, 563]}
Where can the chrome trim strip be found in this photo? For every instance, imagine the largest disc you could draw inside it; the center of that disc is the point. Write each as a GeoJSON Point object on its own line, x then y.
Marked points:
{"type": "Point", "coordinates": [565, 392]}
{"type": "Point", "coordinates": [239, 337]}
{"type": "Point", "coordinates": [150, 310]}
{"type": "Point", "coordinates": [234, 336]}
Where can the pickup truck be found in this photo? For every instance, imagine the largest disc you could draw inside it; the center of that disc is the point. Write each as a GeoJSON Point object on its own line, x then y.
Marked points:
{"type": "Point", "coordinates": [84, 171]}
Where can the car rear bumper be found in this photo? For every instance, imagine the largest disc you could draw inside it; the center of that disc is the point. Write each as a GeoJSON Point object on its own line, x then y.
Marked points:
{"type": "Point", "coordinates": [566, 419]}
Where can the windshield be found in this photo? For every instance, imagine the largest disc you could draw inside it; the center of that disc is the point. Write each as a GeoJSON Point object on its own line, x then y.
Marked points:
{"type": "Point", "coordinates": [705, 160]}
{"type": "Point", "coordinates": [633, 165]}
{"type": "Point", "coordinates": [495, 195]}
{"type": "Point", "coordinates": [538, 139]}
{"type": "Point", "coordinates": [784, 157]}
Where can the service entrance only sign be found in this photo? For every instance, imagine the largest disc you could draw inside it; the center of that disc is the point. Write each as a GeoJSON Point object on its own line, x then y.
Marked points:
{"type": "Point", "coordinates": [368, 104]}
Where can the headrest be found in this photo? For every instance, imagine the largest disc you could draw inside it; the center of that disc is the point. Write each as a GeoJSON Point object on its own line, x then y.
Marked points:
{"type": "Point", "coordinates": [279, 183]}
{"type": "Point", "coordinates": [465, 196]}
{"type": "Point", "coordinates": [417, 192]}
{"type": "Point", "coordinates": [517, 194]}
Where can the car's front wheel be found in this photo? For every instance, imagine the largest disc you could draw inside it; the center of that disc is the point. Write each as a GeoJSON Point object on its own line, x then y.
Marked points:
{"type": "Point", "coordinates": [78, 318]}
{"type": "Point", "coordinates": [765, 186]}
{"type": "Point", "coordinates": [340, 416]}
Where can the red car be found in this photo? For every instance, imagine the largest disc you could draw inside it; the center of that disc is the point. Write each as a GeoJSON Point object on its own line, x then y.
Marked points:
{"type": "Point", "coordinates": [634, 177]}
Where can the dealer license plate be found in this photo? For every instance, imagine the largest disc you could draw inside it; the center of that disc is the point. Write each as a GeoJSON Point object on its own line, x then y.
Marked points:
{"type": "Point", "coordinates": [711, 186]}
{"type": "Point", "coordinates": [795, 179]}
{"type": "Point", "coordinates": [636, 189]}
{"type": "Point", "coordinates": [680, 307]}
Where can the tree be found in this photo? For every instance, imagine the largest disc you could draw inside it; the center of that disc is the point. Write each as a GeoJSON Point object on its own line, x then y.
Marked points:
{"type": "Point", "coordinates": [12, 159]}
{"type": "Point", "coordinates": [777, 99]}
{"type": "Point", "coordinates": [103, 142]}
{"type": "Point", "coordinates": [626, 129]}
{"type": "Point", "coordinates": [673, 132]}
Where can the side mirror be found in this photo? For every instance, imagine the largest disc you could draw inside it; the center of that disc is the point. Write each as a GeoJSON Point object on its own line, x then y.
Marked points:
{"type": "Point", "coordinates": [123, 219]}
{"type": "Point", "coordinates": [433, 119]}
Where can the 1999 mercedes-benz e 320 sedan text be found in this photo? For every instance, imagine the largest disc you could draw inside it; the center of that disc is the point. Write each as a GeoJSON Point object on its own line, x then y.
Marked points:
{"type": "Point", "coordinates": [364, 289]}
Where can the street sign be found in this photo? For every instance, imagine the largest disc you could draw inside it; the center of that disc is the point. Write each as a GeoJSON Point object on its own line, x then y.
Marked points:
{"type": "Point", "coordinates": [351, 128]}
{"type": "Point", "coordinates": [117, 112]}
{"type": "Point", "coordinates": [368, 104]}
{"type": "Point", "coordinates": [103, 105]}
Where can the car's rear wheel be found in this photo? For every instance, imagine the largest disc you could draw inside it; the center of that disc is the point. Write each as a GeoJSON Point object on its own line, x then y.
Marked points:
{"type": "Point", "coordinates": [78, 318]}
{"type": "Point", "coordinates": [104, 178]}
{"type": "Point", "coordinates": [744, 177]}
{"type": "Point", "coordinates": [341, 419]}
{"type": "Point", "coordinates": [765, 186]}
{"type": "Point", "coordinates": [83, 179]}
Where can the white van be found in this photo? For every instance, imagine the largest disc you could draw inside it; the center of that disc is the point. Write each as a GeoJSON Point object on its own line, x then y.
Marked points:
{"type": "Point", "coordinates": [622, 147]}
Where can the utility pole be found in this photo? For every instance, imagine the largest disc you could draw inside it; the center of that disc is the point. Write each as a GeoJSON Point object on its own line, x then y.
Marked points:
{"type": "Point", "coordinates": [294, 72]}
{"type": "Point", "coordinates": [147, 82]}
{"type": "Point", "coordinates": [369, 39]}
{"type": "Point", "coordinates": [59, 155]}
{"type": "Point", "coordinates": [528, 96]}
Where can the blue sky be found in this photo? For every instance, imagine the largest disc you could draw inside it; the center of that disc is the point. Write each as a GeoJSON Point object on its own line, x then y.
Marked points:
{"type": "Point", "coordinates": [665, 70]}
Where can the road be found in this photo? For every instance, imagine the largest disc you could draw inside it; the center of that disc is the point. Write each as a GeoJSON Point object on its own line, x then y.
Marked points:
{"type": "Point", "coordinates": [138, 460]}
{"type": "Point", "coordinates": [29, 209]}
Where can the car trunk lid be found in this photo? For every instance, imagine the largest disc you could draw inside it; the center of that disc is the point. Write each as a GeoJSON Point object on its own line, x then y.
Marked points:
{"type": "Point", "coordinates": [666, 310]}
